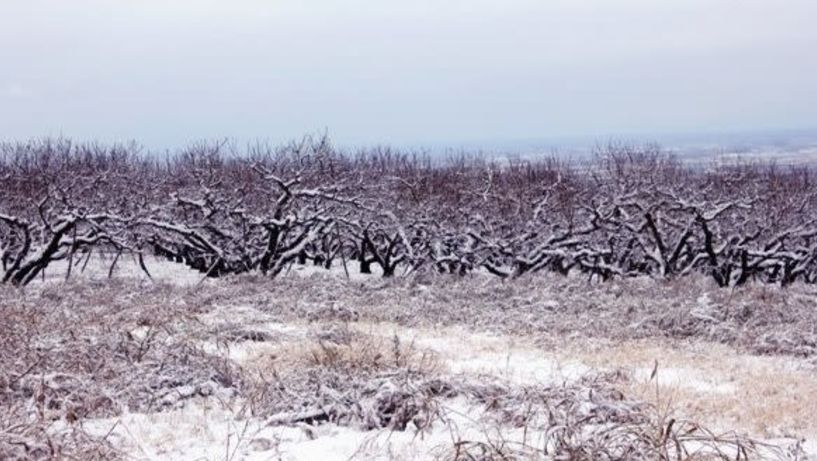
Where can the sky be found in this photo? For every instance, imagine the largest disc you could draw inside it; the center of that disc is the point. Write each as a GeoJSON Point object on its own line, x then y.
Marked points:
{"type": "Point", "coordinates": [409, 73]}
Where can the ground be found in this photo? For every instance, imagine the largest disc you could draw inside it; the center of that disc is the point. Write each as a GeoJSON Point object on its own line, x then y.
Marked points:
{"type": "Point", "coordinates": [318, 365]}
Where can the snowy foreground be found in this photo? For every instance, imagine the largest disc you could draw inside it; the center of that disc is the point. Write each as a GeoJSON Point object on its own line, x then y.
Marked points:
{"type": "Point", "coordinates": [320, 366]}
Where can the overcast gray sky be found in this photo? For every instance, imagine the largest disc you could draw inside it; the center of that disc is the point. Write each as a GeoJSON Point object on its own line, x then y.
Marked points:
{"type": "Point", "coordinates": [410, 72]}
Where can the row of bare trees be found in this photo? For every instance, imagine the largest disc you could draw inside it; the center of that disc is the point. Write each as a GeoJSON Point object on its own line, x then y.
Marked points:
{"type": "Point", "coordinates": [631, 211]}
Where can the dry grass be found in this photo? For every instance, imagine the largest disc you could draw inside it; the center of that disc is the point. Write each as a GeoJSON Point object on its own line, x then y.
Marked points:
{"type": "Point", "coordinates": [760, 319]}
{"type": "Point", "coordinates": [591, 420]}
{"type": "Point", "coordinates": [343, 348]}
{"type": "Point", "coordinates": [762, 395]}
{"type": "Point", "coordinates": [80, 351]}
{"type": "Point", "coordinates": [341, 375]}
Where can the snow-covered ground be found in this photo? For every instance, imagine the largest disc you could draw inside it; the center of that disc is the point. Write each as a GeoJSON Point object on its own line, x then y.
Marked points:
{"type": "Point", "coordinates": [768, 398]}
{"type": "Point", "coordinates": [104, 266]}
{"type": "Point", "coordinates": [771, 398]}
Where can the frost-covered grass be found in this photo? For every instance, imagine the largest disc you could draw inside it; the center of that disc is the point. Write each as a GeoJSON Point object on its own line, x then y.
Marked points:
{"type": "Point", "coordinates": [315, 366]}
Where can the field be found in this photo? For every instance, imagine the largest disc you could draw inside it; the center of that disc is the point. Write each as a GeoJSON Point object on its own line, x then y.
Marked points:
{"type": "Point", "coordinates": [316, 364]}
{"type": "Point", "coordinates": [516, 230]}
{"type": "Point", "coordinates": [302, 303]}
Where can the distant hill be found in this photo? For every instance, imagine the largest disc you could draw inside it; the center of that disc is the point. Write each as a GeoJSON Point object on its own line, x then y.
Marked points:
{"type": "Point", "coordinates": [782, 146]}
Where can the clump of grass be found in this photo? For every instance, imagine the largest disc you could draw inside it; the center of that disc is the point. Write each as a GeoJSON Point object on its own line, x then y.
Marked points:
{"type": "Point", "coordinates": [364, 353]}
{"type": "Point", "coordinates": [590, 421]}
{"type": "Point", "coordinates": [348, 377]}
{"type": "Point", "coordinates": [23, 438]}
{"type": "Point", "coordinates": [648, 441]}
{"type": "Point", "coordinates": [90, 354]}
